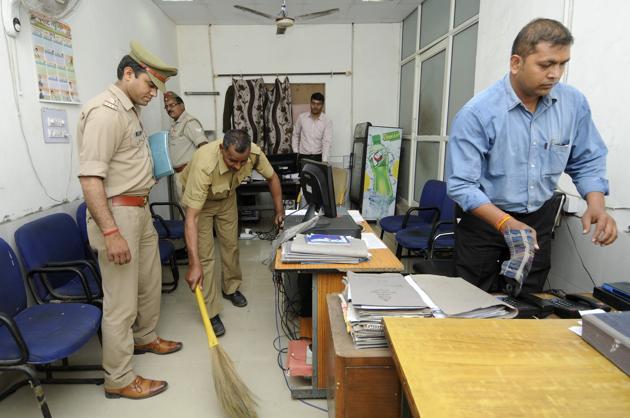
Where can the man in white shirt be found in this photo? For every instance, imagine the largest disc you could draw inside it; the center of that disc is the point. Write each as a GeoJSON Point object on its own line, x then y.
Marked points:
{"type": "Point", "coordinates": [313, 132]}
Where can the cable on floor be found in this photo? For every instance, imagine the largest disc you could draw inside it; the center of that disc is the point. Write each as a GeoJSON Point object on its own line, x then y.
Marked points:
{"type": "Point", "coordinates": [280, 289]}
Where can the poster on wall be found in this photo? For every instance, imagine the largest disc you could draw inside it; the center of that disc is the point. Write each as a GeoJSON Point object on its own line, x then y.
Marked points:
{"type": "Point", "coordinates": [54, 60]}
{"type": "Point", "coordinates": [381, 172]}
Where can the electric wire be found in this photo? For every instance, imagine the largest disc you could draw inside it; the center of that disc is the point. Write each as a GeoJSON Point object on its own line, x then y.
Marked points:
{"type": "Point", "coordinates": [277, 341]}
{"type": "Point", "coordinates": [270, 234]}
{"type": "Point", "coordinates": [19, 116]}
{"type": "Point", "coordinates": [590, 276]}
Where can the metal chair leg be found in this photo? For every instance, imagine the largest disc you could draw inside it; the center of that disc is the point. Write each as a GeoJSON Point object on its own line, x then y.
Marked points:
{"type": "Point", "coordinates": [36, 386]}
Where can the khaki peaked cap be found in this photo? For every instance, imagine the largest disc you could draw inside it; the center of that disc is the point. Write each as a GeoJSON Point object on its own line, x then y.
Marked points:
{"type": "Point", "coordinates": [157, 70]}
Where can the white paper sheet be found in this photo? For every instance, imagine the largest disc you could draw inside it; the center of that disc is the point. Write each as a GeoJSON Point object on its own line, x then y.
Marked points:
{"type": "Point", "coordinates": [294, 212]}
{"type": "Point", "coordinates": [372, 241]}
{"type": "Point", "coordinates": [356, 215]}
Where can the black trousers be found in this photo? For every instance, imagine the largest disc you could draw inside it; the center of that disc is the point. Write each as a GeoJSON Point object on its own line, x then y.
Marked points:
{"type": "Point", "coordinates": [480, 249]}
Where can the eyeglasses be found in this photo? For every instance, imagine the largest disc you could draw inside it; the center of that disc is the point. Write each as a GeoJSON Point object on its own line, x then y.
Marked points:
{"type": "Point", "coordinates": [171, 105]}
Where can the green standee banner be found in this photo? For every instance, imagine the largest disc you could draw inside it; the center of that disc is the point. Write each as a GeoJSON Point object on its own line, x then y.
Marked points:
{"type": "Point", "coordinates": [381, 172]}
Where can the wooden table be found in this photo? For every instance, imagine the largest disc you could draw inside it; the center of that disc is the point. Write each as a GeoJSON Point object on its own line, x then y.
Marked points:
{"type": "Point", "coordinates": [327, 278]}
{"type": "Point", "coordinates": [362, 383]}
{"type": "Point", "coordinates": [500, 368]}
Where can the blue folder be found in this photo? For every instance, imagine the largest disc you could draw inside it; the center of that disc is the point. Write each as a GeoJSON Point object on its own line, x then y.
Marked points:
{"type": "Point", "coordinates": [162, 166]}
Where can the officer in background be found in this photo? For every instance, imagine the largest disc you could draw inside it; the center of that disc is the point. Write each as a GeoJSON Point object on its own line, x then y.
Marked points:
{"type": "Point", "coordinates": [211, 179]}
{"type": "Point", "coordinates": [185, 136]}
{"type": "Point", "coordinates": [116, 175]}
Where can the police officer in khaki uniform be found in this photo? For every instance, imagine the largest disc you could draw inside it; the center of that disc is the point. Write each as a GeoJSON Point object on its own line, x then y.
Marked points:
{"type": "Point", "coordinates": [116, 175]}
{"type": "Point", "coordinates": [185, 136]}
{"type": "Point", "coordinates": [211, 179]}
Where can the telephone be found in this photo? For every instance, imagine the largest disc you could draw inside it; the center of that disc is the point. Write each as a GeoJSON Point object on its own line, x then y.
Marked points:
{"type": "Point", "coordinates": [525, 310]}
{"type": "Point", "coordinates": [587, 300]}
{"type": "Point", "coordinates": [545, 305]}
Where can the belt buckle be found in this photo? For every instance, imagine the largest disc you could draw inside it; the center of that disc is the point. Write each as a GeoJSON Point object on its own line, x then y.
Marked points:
{"type": "Point", "coordinates": [145, 200]}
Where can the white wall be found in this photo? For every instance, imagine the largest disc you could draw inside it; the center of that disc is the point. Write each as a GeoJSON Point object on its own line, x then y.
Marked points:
{"type": "Point", "coordinates": [598, 61]}
{"type": "Point", "coordinates": [499, 22]}
{"type": "Point", "coordinates": [371, 93]}
{"type": "Point", "coordinates": [193, 53]}
{"type": "Point", "coordinates": [101, 32]}
{"type": "Point", "coordinates": [376, 74]}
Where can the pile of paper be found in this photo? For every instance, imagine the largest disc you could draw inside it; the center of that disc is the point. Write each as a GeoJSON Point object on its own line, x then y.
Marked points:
{"type": "Point", "coordinates": [300, 251]}
{"type": "Point", "coordinates": [370, 297]}
{"type": "Point", "coordinates": [454, 297]}
{"type": "Point", "coordinates": [374, 296]}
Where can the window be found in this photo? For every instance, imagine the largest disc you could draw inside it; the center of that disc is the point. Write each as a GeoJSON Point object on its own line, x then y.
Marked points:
{"type": "Point", "coordinates": [436, 81]}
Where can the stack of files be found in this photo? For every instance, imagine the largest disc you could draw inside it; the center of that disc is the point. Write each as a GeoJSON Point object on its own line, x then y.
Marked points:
{"type": "Point", "coordinates": [454, 297]}
{"type": "Point", "coordinates": [374, 296]}
{"type": "Point", "coordinates": [299, 251]}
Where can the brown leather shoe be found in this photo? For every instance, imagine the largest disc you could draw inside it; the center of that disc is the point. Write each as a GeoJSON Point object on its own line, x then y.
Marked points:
{"type": "Point", "coordinates": [140, 388]}
{"type": "Point", "coordinates": [159, 346]}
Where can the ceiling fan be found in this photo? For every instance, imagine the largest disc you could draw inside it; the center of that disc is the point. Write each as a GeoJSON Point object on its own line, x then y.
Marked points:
{"type": "Point", "coordinates": [283, 20]}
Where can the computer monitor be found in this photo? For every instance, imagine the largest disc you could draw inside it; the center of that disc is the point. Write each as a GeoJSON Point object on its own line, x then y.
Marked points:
{"type": "Point", "coordinates": [317, 187]}
{"type": "Point", "coordinates": [284, 164]}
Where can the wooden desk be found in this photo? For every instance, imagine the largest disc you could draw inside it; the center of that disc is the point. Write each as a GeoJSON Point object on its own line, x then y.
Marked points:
{"type": "Point", "coordinates": [498, 368]}
{"type": "Point", "coordinates": [327, 278]}
{"type": "Point", "coordinates": [361, 383]}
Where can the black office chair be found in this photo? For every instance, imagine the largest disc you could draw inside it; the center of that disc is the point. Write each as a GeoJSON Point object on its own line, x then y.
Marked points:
{"type": "Point", "coordinates": [33, 338]}
{"type": "Point", "coordinates": [425, 239]}
{"type": "Point", "coordinates": [424, 215]}
{"type": "Point", "coordinates": [57, 264]}
{"type": "Point", "coordinates": [168, 228]}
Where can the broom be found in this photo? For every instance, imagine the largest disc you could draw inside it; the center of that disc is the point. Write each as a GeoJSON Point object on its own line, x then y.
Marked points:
{"type": "Point", "coordinates": [234, 397]}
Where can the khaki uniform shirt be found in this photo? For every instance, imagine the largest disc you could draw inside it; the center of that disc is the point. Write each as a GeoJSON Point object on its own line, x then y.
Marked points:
{"type": "Point", "coordinates": [208, 178]}
{"type": "Point", "coordinates": [185, 135]}
{"type": "Point", "coordinates": [113, 145]}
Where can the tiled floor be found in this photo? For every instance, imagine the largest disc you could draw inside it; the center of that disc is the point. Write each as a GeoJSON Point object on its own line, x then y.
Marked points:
{"type": "Point", "coordinates": [248, 341]}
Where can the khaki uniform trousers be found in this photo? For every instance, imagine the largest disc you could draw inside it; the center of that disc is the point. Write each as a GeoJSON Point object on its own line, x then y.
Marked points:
{"type": "Point", "coordinates": [223, 216]}
{"type": "Point", "coordinates": [132, 291]}
{"type": "Point", "coordinates": [178, 186]}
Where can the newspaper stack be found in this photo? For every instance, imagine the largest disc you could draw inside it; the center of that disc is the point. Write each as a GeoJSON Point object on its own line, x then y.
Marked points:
{"type": "Point", "coordinates": [374, 296]}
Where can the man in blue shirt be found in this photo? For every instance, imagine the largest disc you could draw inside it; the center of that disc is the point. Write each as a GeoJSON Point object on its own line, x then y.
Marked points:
{"type": "Point", "coordinates": [508, 147]}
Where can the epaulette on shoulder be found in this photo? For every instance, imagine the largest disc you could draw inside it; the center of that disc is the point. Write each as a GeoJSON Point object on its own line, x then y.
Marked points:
{"type": "Point", "coordinates": [111, 103]}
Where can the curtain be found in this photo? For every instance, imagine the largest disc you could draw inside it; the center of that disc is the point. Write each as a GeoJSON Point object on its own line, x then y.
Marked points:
{"type": "Point", "coordinates": [278, 118]}
{"type": "Point", "coordinates": [228, 110]}
{"type": "Point", "coordinates": [249, 104]}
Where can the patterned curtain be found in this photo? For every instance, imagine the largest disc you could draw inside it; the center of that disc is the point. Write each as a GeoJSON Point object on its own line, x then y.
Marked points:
{"type": "Point", "coordinates": [249, 104]}
{"type": "Point", "coordinates": [278, 118]}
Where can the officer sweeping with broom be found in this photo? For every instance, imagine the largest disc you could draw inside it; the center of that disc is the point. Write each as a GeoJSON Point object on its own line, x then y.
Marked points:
{"type": "Point", "coordinates": [210, 183]}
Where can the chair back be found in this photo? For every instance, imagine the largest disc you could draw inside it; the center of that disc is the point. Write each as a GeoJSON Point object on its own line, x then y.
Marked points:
{"type": "Point", "coordinates": [81, 217]}
{"type": "Point", "coordinates": [432, 195]}
{"type": "Point", "coordinates": [447, 209]}
{"type": "Point", "coordinates": [52, 238]}
{"type": "Point", "coordinates": [12, 292]}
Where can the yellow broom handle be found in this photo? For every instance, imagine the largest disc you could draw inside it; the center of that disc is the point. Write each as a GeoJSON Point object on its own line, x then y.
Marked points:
{"type": "Point", "coordinates": [212, 339]}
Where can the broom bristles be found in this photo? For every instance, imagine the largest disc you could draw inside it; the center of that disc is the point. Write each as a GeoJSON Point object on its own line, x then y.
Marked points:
{"type": "Point", "coordinates": [234, 396]}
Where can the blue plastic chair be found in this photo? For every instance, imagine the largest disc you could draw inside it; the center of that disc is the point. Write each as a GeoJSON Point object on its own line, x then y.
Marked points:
{"type": "Point", "coordinates": [41, 334]}
{"type": "Point", "coordinates": [56, 261]}
{"type": "Point", "coordinates": [425, 239]}
{"type": "Point", "coordinates": [168, 228]}
{"type": "Point", "coordinates": [431, 197]}
{"type": "Point", "coordinates": [165, 247]}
